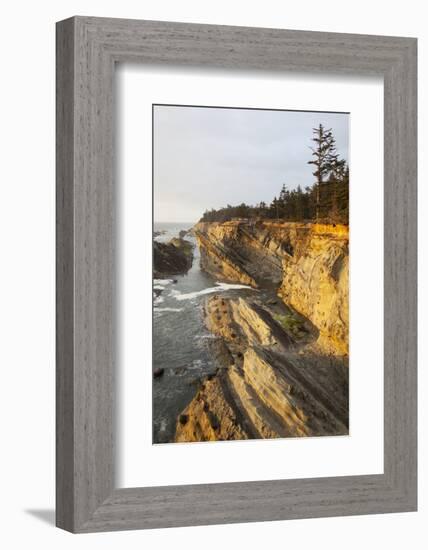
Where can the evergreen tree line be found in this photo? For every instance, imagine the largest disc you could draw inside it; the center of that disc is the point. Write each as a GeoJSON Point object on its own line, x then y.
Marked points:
{"type": "Point", "coordinates": [327, 200]}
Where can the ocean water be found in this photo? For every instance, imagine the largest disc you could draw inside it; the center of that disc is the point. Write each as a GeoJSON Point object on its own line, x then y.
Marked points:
{"type": "Point", "coordinates": [180, 337]}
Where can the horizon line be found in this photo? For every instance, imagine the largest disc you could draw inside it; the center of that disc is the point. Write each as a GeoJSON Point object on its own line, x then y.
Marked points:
{"type": "Point", "coordinates": [188, 221]}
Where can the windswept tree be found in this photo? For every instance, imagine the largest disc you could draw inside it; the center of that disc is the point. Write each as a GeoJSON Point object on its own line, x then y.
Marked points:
{"type": "Point", "coordinates": [325, 159]}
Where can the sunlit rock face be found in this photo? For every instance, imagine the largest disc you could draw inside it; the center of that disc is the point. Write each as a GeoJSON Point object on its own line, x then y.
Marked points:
{"type": "Point", "coordinates": [272, 379]}
{"type": "Point", "coordinates": [307, 264]}
{"type": "Point", "coordinates": [282, 350]}
{"type": "Point", "coordinates": [316, 283]}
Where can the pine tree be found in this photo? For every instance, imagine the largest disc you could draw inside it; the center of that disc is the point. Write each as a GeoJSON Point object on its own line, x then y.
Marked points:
{"type": "Point", "coordinates": [299, 204]}
{"type": "Point", "coordinates": [325, 156]}
{"type": "Point", "coordinates": [274, 208]}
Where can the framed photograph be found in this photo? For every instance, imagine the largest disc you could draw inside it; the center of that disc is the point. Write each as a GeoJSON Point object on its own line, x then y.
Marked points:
{"type": "Point", "coordinates": [236, 274]}
{"type": "Point", "coordinates": [251, 298]}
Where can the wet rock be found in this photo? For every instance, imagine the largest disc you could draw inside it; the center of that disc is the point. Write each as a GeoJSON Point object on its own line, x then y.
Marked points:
{"type": "Point", "coordinates": [172, 258]}
{"type": "Point", "coordinates": [179, 370]}
{"type": "Point", "coordinates": [220, 352]}
{"type": "Point", "coordinates": [157, 373]}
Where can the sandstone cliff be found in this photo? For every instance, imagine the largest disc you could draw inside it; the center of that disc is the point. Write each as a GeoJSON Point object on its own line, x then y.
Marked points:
{"type": "Point", "coordinates": [306, 264]}
{"type": "Point", "coordinates": [270, 383]}
{"type": "Point", "coordinates": [283, 351]}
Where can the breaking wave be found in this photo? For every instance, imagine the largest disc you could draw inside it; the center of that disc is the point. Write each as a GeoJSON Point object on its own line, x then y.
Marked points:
{"type": "Point", "coordinates": [162, 282]}
{"type": "Point", "coordinates": [220, 287]}
{"type": "Point", "coordinates": [168, 309]}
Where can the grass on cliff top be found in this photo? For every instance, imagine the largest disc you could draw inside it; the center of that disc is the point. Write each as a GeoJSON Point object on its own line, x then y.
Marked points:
{"type": "Point", "coordinates": [289, 323]}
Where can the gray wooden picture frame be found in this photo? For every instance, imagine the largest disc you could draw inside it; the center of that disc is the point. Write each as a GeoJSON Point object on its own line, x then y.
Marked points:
{"type": "Point", "coordinates": [87, 50]}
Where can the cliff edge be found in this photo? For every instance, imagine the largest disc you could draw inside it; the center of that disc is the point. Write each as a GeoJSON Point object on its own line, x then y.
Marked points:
{"type": "Point", "coordinates": [283, 351]}
{"type": "Point", "coordinates": [306, 264]}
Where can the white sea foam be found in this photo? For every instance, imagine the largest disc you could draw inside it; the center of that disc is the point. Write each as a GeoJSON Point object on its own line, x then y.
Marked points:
{"type": "Point", "coordinates": [173, 292]}
{"type": "Point", "coordinates": [160, 309]}
{"type": "Point", "coordinates": [162, 282]}
{"type": "Point", "coordinates": [220, 287]}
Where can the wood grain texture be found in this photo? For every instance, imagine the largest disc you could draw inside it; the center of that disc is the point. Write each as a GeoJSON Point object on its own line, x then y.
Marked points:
{"type": "Point", "coordinates": [64, 276]}
{"type": "Point", "coordinates": [87, 49]}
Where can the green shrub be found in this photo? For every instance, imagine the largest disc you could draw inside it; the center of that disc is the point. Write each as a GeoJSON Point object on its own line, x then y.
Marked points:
{"type": "Point", "coordinates": [289, 323]}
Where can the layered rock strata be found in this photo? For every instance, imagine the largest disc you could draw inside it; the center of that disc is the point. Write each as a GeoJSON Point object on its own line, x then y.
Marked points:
{"type": "Point", "coordinates": [306, 264]}
{"type": "Point", "coordinates": [271, 384]}
{"type": "Point", "coordinates": [282, 353]}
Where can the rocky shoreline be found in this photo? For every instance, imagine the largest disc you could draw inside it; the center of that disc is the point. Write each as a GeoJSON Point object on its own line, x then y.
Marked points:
{"type": "Point", "coordinates": [283, 353]}
{"type": "Point", "coordinates": [172, 258]}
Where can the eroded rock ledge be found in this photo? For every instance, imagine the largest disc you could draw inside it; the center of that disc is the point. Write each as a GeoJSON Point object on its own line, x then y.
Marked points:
{"type": "Point", "coordinates": [283, 353]}
{"type": "Point", "coordinates": [306, 264]}
{"type": "Point", "coordinates": [272, 382]}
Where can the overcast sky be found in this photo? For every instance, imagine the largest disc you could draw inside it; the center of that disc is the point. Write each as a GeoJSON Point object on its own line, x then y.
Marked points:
{"type": "Point", "coordinates": [207, 157]}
